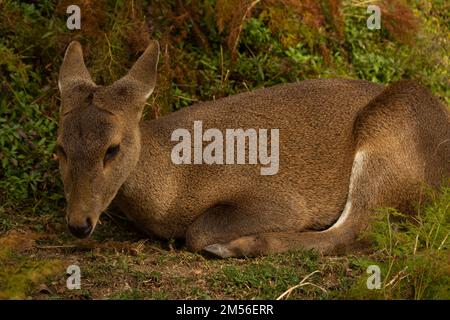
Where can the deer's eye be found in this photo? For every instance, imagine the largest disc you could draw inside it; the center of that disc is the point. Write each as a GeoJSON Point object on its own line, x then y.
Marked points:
{"type": "Point", "coordinates": [60, 152]}
{"type": "Point", "coordinates": [111, 153]}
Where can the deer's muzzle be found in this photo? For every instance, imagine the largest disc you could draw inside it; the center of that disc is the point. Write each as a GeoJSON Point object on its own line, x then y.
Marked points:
{"type": "Point", "coordinates": [81, 229]}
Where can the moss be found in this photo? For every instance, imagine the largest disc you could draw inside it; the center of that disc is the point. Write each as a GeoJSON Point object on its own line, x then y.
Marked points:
{"type": "Point", "coordinates": [20, 273]}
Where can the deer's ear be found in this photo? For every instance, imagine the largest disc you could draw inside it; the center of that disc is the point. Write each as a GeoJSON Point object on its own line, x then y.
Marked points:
{"type": "Point", "coordinates": [73, 71]}
{"type": "Point", "coordinates": [142, 75]}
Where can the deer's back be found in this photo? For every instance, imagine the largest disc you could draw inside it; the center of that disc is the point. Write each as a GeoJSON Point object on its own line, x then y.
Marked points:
{"type": "Point", "coordinates": [315, 120]}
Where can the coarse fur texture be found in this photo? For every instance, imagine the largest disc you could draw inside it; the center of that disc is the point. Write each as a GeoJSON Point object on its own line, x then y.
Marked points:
{"type": "Point", "coordinates": [347, 147]}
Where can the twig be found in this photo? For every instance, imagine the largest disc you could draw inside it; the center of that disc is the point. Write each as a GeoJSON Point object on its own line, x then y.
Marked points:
{"type": "Point", "coordinates": [416, 244]}
{"type": "Point", "coordinates": [239, 29]}
{"type": "Point", "coordinates": [185, 98]}
{"type": "Point", "coordinates": [301, 284]}
{"type": "Point", "coordinates": [111, 60]}
{"type": "Point", "coordinates": [362, 3]}
{"type": "Point", "coordinates": [57, 247]}
{"type": "Point", "coordinates": [443, 241]}
{"type": "Point", "coordinates": [396, 277]}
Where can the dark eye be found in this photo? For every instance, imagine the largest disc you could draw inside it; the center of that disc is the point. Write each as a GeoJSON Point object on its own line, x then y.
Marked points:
{"type": "Point", "coordinates": [111, 152]}
{"type": "Point", "coordinates": [60, 152]}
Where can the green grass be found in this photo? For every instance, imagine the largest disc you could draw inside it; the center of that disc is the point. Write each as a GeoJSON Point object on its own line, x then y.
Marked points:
{"type": "Point", "coordinates": [413, 255]}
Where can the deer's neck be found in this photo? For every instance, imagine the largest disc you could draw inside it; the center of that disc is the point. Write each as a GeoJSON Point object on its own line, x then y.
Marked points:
{"type": "Point", "coordinates": [151, 186]}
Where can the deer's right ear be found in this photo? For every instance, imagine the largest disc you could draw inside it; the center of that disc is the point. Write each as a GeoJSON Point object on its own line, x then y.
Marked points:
{"type": "Point", "coordinates": [73, 71]}
{"type": "Point", "coordinates": [142, 76]}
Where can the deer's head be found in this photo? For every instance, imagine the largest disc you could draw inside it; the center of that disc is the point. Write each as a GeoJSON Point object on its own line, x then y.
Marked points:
{"type": "Point", "coordinates": [98, 142]}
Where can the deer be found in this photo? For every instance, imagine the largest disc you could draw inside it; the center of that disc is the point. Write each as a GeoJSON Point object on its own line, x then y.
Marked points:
{"type": "Point", "coordinates": [346, 148]}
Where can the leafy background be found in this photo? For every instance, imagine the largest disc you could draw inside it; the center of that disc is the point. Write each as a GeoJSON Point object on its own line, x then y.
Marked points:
{"type": "Point", "coordinates": [210, 49]}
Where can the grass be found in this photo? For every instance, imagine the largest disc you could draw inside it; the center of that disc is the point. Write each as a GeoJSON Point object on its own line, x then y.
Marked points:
{"type": "Point", "coordinates": [413, 256]}
{"type": "Point", "coordinates": [203, 58]}
{"type": "Point", "coordinates": [414, 252]}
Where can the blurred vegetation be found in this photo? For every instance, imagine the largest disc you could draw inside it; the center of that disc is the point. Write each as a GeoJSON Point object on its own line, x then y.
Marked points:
{"type": "Point", "coordinates": [209, 49]}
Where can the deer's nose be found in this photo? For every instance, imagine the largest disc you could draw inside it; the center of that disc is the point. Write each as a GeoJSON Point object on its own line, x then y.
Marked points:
{"type": "Point", "coordinates": [81, 230]}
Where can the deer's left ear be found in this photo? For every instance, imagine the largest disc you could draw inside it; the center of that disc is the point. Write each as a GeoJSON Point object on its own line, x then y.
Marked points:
{"type": "Point", "coordinates": [142, 76]}
{"type": "Point", "coordinates": [74, 82]}
{"type": "Point", "coordinates": [73, 70]}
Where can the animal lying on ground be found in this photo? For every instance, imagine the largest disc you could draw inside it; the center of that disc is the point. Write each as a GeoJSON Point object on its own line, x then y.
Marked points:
{"type": "Point", "coordinates": [343, 149]}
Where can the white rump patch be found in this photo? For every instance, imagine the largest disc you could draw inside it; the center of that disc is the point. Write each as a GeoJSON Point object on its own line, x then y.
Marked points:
{"type": "Point", "coordinates": [148, 94]}
{"type": "Point", "coordinates": [357, 169]}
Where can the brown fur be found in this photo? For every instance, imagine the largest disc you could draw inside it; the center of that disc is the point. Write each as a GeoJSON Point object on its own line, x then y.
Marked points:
{"type": "Point", "coordinates": [402, 134]}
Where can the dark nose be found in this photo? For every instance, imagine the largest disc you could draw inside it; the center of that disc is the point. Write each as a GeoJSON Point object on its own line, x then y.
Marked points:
{"type": "Point", "coordinates": [81, 231]}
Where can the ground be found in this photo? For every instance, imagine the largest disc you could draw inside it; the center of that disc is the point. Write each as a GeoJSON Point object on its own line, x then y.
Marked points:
{"type": "Point", "coordinates": [120, 263]}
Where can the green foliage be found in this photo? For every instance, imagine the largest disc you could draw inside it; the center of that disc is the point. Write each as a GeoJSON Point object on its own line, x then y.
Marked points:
{"type": "Point", "coordinates": [28, 176]}
{"type": "Point", "coordinates": [413, 253]}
